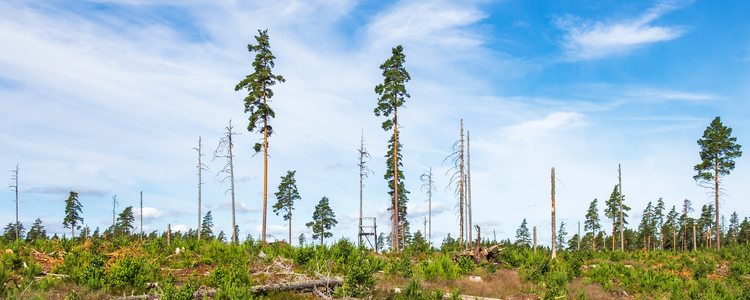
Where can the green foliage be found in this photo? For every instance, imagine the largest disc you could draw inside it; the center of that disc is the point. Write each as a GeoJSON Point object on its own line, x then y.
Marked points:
{"type": "Point", "coordinates": [73, 212]}
{"type": "Point", "coordinates": [401, 267]}
{"type": "Point", "coordinates": [359, 281]}
{"type": "Point", "coordinates": [130, 271]}
{"type": "Point", "coordinates": [258, 86]}
{"type": "Point", "coordinates": [125, 221]}
{"type": "Point", "coordinates": [92, 274]}
{"type": "Point", "coordinates": [466, 265]}
{"type": "Point", "coordinates": [286, 196]}
{"type": "Point", "coordinates": [170, 292]}
{"type": "Point", "coordinates": [523, 235]}
{"type": "Point", "coordinates": [208, 222]}
{"type": "Point", "coordinates": [323, 220]}
{"type": "Point", "coordinates": [230, 276]}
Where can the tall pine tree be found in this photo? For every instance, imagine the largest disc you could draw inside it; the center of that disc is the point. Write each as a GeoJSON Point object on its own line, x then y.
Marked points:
{"type": "Point", "coordinates": [285, 197]}
{"type": "Point", "coordinates": [393, 95]}
{"type": "Point", "coordinates": [259, 85]}
{"type": "Point", "coordinates": [73, 218]}
{"type": "Point", "coordinates": [592, 222]}
{"type": "Point", "coordinates": [718, 151]}
{"type": "Point", "coordinates": [612, 212]}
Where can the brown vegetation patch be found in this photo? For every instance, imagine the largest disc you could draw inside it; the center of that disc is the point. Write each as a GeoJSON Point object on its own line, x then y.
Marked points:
{"type": "Point", "coordinates": [501, 284]}
{"type": "Point", "coordinates": [47, 261]}
{"type": "Point", "coordinates": [593, 291]}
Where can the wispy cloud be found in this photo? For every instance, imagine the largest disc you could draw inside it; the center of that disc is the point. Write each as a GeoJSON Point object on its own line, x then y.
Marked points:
{"type": "Point", "coordinates": [239, 207]}
{"type": "Point", "coordinates": [553, 122]}
{"type": "Point", "coordinates": [431, 22]}
{"type": "Point", "coordinates": [589, 40]}
{"type": "Point", "coordinates": [56, 190]}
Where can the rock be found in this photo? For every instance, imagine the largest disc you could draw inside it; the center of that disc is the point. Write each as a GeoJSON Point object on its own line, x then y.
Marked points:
{"type": "Point", "coordinates": [475, 279]}
{"type": "Point", "coordinates": [619, 293]}
{"type": "Point", "coordinates": [397, 290]}
{"type": "Point", "coordinates": [176, 251]}
{"type": "Point", "coordinates": [262, 255]}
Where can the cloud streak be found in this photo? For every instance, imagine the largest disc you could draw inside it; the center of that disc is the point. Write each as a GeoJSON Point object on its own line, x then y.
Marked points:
{"type": "Point", "coordinates": [590, 40]}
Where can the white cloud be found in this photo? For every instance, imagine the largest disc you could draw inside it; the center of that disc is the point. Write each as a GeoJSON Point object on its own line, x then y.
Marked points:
{"type": "Point", "coordinates": [239, 207]}
{"type": "Point", "coordinates": [179, 227]}
{"type": "Point", "coordinates": [585, 40]}
{"type": "Point", "coordinates": [556, 121]}
{"type": "Point", "coordinates": [431, 22]}
{"type": "Point", "coordinates": [421, 209]}
{"type": "Point", "coordinates": [151, 213]}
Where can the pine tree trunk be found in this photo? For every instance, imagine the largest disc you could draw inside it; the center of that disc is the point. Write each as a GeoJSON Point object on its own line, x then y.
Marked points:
{"type": "Point", "coordinates": [289, 212]}
{"type": "Point", "coordinates": [265, 167]}
{"type": "Point", "coordinates": [534, 239]}
{"type": "Point", "coordinates": [694, 243]}
{"type": "Point", "coordinates": [716, 181]}
{"type": "Point", "coordinates": [396, 209]}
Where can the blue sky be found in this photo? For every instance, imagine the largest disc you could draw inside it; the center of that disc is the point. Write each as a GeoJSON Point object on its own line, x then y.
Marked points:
{"type": "Point", "coordinates": [109, 98]}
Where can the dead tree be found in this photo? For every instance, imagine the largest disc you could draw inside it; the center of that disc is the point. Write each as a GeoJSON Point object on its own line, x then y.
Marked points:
{"type": "Point", "coordinates": [468, 183]}
{"type": "Point", "coordinates": [428, 183]}
{"type": "Point", "coordinates": [201, 167]}
{"type": "Point", "coordinates": [554, 237]}
{"type": "Point", "coordinates": [619, 185]}
{"type": "Point", "coordinates": [534, 239]}
{"type": "Point", "coordinates": [14, 177]}
{"type": "Point", "coordinates": [458, 177]}
{"type": "Point", "coordinates": [364, 171]}
{"type": "Point", "coordinates": [141, 217]}
{"type": "Point", "coordinates": [115, 204]}
{"type": "Point", "coordinates": [224, 150]}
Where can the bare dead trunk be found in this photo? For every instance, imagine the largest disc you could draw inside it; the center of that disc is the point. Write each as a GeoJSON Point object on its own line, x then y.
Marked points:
{"type": "Point", "coordinates": [554, 245]}
{"type": "Point", "coordinates": [461, 196]}
{"type": "Point", "coordinates": [231, 178]}
{"type": "Point", "coordinates": [619, 186]}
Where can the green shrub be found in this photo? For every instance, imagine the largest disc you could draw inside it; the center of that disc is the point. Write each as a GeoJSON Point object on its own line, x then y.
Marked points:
{"type": "Point", "coordinates": [359, 280]}
{"type": "Point", "coordinates": [401, 267]}
{"type": "Point", "coordinates": [170, 292]}
{"type": "Point", "coordinates": [303, 255]}
{"type": "Point", "coordinates": [130, 271]}
{"type": "Point", "coordinates": [234, 275]}
{"type": "Point", "coordinates": [92, 274]}
{"type": "Point", "coordinates": [466, 265]}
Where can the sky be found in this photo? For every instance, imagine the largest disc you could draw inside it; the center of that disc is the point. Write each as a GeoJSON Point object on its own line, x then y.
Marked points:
{"type": "Point", "coordinates": [110, 98]}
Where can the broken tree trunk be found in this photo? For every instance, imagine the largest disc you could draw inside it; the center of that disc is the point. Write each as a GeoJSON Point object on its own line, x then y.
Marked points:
{"type": "Point", "coordinates": [329, 283]}
{"type": "Point", "coordinates": [307, 285]}
{"type": "Point", "coordinates": [478, 253]}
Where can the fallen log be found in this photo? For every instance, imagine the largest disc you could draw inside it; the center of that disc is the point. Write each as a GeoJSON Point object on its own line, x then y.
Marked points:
{"type": "Point", "coordinates": [329, 283]}
{"type": "Point", "coordinates": [307, 285]}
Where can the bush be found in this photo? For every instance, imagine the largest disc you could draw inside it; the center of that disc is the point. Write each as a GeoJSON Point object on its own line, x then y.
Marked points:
{"type": "Point", "coordinates": [92, 274]}
{"type": "Point", "coordinates": [466, 265]}
{"type": "Point", "coordinates": [359, 281]}
{"type": "Point", "coordinates": [130, 272]}
{"type": "Point", "coordinates": [234, 275]}
{"type": "Point", "coordinates": [170, 292]}
{"type": "Point", "coordinates": [401, 267]}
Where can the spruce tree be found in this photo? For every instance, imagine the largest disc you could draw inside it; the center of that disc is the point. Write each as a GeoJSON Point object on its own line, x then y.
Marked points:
{"type": "Point", "coordinates": [323, 220]}
{"type": "Point", "coordinates": [734, 226]}
{"type": "Point", "coordinates": [259, 85]}
{"type": "Point", "coordinates": [36, 232]}
{"type": "Point", "coordinates": [12, 230]}
{"type": "Point", "coordinates": [285, 197]}
{"type": "Point", "coordinates": [523, 236]}
{"type": "Point", "coordinates": [718, 151]}
{"type": "Point", "coordinates": [592, 221]}
{"type": "Point", "coordinates": [208, 222]}
{"type": "Point", "coordinates": [73, 218]}
{"type": "Point", "coordinates": [561, 233]}
{"type": "Point", "coordinates": [125, 221]}
{"type": "Point", "coordinates": [393, 95]}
